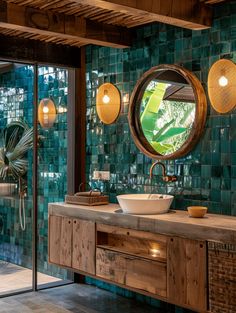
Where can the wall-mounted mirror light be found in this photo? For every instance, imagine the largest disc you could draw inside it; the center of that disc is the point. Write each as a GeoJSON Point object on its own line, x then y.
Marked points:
{"type": "Point", "coordinates": [108, 103]}
{"type": "Point", "coordinates": [46, 113]}
{"type": "Point", "coordinates": [167, 112]}
{"type": "Point", "coordinates": [222, 85]}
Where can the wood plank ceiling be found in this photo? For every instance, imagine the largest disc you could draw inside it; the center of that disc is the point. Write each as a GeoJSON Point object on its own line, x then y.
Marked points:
{"type": "Point", "coordinates": [101, 22]}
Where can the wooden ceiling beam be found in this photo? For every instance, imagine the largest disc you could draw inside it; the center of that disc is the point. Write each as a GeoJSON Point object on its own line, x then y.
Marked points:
{"type": "Point", "coordinates": [26, 50]}
{"type": "Point", "coordinates": [61, 26]}
{"type": "Point", "coordinates": [191, 14]}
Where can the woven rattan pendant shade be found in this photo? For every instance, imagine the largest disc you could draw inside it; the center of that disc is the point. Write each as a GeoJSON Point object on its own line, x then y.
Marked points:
{"type": "Point", "coordinates": [46, 113]}
{"type": "Point", "coordinates": [222, 85]}
{"type": "Point", "coordinates": [108, 103]}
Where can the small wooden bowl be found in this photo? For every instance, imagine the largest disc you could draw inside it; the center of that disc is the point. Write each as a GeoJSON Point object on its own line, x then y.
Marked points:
{"type": "Point", "coordinates": [197, 211]}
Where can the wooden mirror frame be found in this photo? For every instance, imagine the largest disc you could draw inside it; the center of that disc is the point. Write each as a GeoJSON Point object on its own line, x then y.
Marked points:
{"type": "Point", "coordinates": [134, 112]}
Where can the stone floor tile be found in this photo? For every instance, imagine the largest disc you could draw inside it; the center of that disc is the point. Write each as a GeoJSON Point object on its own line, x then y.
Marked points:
{"type": "Point", "coordinates": [74, 298]}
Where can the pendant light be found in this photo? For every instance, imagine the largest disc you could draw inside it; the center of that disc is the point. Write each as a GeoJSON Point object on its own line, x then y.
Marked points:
{"type": "Point", "coordinates": [222, 85]}
{"type": "Point", "coordinates": [108, 103]}
{"type": "Point", "coordinates": [46, 113]}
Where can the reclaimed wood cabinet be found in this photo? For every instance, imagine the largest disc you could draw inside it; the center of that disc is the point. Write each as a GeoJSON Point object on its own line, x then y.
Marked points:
{"type": "Point", "coordinates": [60, 238]}
{"type": "Point", "coordinates": [169, 268]}
{"type": "Point", "coordinates": [72, 243]}
{"type": "Point", "coordinates": [83, 243]}
{"type": "Point", "coordinates": [187, 273]}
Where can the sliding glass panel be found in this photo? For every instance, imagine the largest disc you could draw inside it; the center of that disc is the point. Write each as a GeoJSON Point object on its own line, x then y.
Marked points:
{"type": "Point", "coordinates": [52, 161]}
{"type": "Point", "coordinates": [16, 135]}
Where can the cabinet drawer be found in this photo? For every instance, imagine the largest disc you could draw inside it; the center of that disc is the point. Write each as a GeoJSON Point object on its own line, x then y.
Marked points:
{"type": "Point", "coordinates": [132, 271]}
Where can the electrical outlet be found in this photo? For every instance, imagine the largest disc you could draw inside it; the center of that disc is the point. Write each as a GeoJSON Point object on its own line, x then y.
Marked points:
{"type": "Point", "coordinates": [101, 175]}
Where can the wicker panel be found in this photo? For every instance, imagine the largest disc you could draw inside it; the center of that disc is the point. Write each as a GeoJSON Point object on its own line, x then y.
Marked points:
{"type": "Point", "coordinates": [222, 277]}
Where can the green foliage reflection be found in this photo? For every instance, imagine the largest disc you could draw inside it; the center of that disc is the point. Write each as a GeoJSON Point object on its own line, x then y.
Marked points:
{"type": "Point", "coordinates": [166, 124]}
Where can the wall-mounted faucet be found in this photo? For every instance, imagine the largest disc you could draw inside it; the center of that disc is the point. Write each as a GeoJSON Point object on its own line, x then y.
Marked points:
{"type": "Point", "coordinates": [165, 177]}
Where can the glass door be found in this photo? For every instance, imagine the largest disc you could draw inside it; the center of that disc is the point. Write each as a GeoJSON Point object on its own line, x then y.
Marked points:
{"type": "Point", "coordinates": [52, 163]}
{"type": "Point", "coordinates": [23, 252]}
{"type": "Point", "coordinates": [16, 140]}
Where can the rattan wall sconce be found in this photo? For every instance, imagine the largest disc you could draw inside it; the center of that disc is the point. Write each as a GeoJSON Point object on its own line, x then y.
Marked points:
{"type": "Point", "coordinates": [222, 85]}
{"type": "Point", "coordinates": [108, 103]}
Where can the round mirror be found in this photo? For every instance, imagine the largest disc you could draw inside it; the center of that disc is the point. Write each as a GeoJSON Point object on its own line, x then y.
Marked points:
{"type": "Point", "coordinates": [167, 112]}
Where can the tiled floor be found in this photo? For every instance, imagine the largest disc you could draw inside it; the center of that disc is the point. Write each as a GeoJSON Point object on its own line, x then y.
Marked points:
{"type": "Point", "coordinates": [73, 299]}
{"type": "Point", "coordinates": [17, 278]}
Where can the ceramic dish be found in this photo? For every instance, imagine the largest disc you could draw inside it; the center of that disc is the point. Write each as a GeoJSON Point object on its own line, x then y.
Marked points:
{"type": "Point", "coordinates": [197, 211]}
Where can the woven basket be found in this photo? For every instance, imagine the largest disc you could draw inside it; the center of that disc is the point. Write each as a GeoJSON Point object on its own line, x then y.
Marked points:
{"type": "Point", "coordinates": [87, 200]}
{"type": "Point", "coordinates": [90, 198]}
{"type": "Point", "coordinates": [222, 277]}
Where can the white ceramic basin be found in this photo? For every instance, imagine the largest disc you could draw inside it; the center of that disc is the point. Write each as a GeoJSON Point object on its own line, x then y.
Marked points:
{"type": "Point", "coordinates": [7, 189]}
{"type": "Point", "coordinates": [145, 203]}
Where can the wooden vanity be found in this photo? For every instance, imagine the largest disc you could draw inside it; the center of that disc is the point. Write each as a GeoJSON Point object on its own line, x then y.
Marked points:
{"type": "Point", "coordinates": [164, 256]}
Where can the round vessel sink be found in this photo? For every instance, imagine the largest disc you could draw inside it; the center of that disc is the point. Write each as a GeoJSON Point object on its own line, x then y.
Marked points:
{"type": "Point", "coordinates": [7, 189]}
{"type": "Point", "coordinates": [145, 203]}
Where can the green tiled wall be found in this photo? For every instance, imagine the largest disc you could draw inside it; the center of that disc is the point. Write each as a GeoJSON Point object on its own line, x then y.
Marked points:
{"type": "Point", "coordinates": [207, 175]}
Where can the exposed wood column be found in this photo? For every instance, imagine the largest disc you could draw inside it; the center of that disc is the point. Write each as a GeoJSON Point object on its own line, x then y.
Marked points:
{"type": "Point", "coordinates": [80, 133]}
{"type": "Point", "coordinates": [77, 126]}
{"type": "Point", "coordinates": [80, 126]}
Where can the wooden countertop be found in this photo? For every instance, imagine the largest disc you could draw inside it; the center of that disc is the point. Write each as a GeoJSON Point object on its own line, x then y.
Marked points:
{"type": "Point", "coordinates": [212, 227]}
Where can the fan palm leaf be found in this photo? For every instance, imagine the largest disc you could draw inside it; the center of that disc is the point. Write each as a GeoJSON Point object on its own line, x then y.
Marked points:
{"type": "Point", "coordinates": [25, 143]}
{"type": "Point", "coordinates": [12, 141]}
{"type": "Point", "coordinates": [18, 140]}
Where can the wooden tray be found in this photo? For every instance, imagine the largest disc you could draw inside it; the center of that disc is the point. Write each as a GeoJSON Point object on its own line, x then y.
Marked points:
{"type": "Point", "coordinates": [87, 200]}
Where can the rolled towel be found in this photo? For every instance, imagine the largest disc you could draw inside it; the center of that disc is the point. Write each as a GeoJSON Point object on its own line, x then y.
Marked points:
{"type": "Point", "coordinates": [91, 193]}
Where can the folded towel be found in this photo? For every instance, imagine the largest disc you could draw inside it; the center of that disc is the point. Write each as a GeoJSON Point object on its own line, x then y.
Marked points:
{"type": "Point", "coordinates": [91, 193]}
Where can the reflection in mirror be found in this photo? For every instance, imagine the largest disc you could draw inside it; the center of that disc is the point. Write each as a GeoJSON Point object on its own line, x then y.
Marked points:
{"type": "Point", "coordinates": [167, 112]}
{"type": "Point", "coordinates": [47, 113]}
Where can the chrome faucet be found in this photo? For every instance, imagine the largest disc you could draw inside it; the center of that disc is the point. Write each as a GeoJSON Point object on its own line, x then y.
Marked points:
{"type": "Point", "coordinates": [165, 177]}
